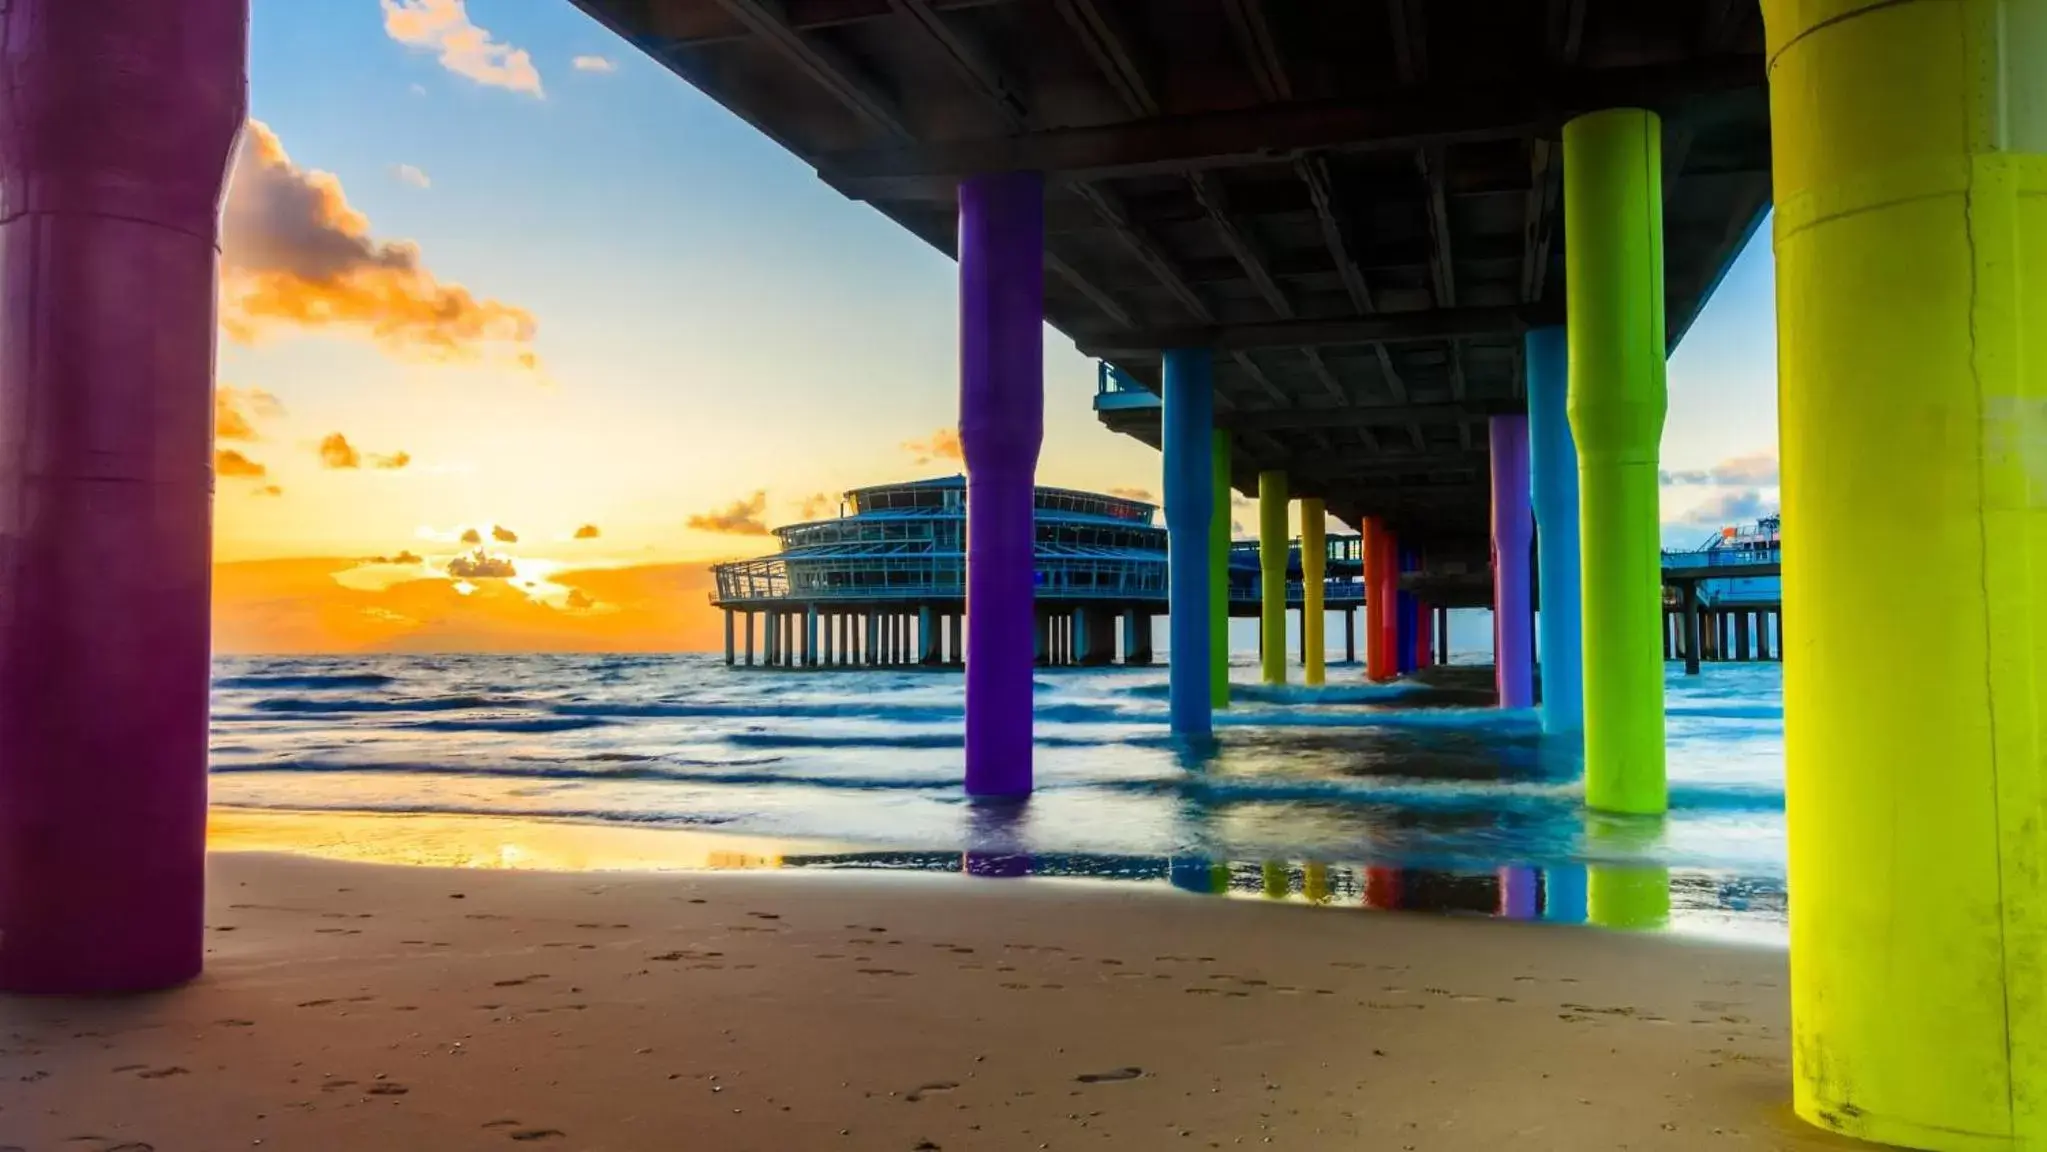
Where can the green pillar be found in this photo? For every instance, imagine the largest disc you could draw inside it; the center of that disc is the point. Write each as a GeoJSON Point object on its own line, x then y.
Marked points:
{"type": "Point", "coordinates": [1613, 217]}
{"type": "Point", "coordinates": [1272, 557]}
{"type": "Point", "coordinates": [1219, 574]}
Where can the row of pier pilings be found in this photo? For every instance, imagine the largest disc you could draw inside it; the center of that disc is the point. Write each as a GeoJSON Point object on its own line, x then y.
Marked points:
{"type": "Point", "coordinates": [1750, 633]}
{"type": "Point", "coordinates": [1695, 631]}
{"type": "Point", "coordinates": [924, 636]}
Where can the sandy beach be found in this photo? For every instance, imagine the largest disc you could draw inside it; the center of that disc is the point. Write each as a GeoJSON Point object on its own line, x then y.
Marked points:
{"type": "Point", "coordinates": [352, 1005]}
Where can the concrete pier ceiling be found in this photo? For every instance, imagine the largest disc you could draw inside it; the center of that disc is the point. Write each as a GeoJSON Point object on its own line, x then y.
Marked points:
{"type": "Point", "coordinates": [1356, 205]}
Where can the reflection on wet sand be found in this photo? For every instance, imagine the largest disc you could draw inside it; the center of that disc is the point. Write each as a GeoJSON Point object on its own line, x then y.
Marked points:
{"type": "Point", "coordinates": [1617, 888]}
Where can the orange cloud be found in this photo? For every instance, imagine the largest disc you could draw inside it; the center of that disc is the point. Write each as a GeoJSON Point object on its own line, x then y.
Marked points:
{"type": "Point", "coordinates": [269, 489]}
{"type": "Point", "coordinates": [295, 254]}
{"type": "Point", "coordinates": [1140, 494]}
{"type": "Point", "coordinates": [587, 532]}
{"type": "Point", "coordinates": [944, 444]}
{"type": "Point", "coordinates": [464, 48]}
{"type": "Point", "coordinates": [740, 518]}
{"type": "Point", "coordinates": [230, 463]}
{"type": "Point", "coordinates": [472, 536]}
{"type": "Point", "coordinates": [481, 565]}
{"type": "Point", "coordinates": [391, 463]}
{"type": "Point", "coordinates": [503, 535]}
{"type": "Point", "coordinates": [818, 507]}
{"type": "Point", "coordinates": [580, 599]}
{"type": "Point", "coordinates": [235, 411]}
{"type": "Point", "coordinates": [337, 452]}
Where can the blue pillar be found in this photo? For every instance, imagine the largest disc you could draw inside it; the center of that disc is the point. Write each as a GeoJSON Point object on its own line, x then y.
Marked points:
{"type": "Point", "coordinates": [1407, 621]}
{"type": "Point", "coordinates": [1553, 467]}
{"type": "Point", "coordinates": [1188, 420]}
{"type": "Point", "coordinates": [1563, 894]}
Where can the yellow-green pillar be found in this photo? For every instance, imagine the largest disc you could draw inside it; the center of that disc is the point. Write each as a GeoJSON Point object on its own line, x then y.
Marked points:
{"type": "Point", "coordinates": [1624, 885]}
{"type": "Point", "coordinates": [1272, 557]}
{"type": "Point", "coordinates": [1613, 258]}
{"type": "Point", "coordinates": [1314, 564]}
{"type": "Point", "coordinates": [1910, 165]}
{"type": "Point", "coordinates": [1219, 575]}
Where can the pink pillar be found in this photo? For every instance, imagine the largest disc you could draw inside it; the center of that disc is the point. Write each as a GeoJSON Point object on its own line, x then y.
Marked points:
{"type": "Point", "coordinates": [117, 121]}
{"type": "Point", "coordinates": [1513, 541]}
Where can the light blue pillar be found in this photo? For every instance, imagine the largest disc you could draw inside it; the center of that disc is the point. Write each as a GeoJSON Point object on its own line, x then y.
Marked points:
{"type": "Point", "coordinates": [1188, 420]}
{"type": "Point", "coordinates": [1553, 468]}
{"type": "Point", "coordinates": [1563, 894]}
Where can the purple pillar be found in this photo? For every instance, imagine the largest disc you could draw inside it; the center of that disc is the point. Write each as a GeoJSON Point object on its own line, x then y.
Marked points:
{"type": "Point", "coordinates": [1520, 892]}
{"type": "Point", "coordinates": [116, 124]}
{"type": "Point", "coordinates": [1002, 422]}
{"type": "Point", "coordinates": [1513, 538]}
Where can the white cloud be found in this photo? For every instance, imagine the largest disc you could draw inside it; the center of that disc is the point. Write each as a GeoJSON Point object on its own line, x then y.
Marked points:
{"type": "Point", "coordinates": [444, 27]}
{"type": "Point", "coordinates": [408, 174]}
{"type": "Point", "coordinates": [594, 64]}
{"type": "Point", "coordinates": [1756, 468]}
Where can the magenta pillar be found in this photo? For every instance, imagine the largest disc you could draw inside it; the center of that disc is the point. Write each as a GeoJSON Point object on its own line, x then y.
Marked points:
{"type": "Point", "coordinates": [116, 124]}
{"type": "Point", "coordinates": [1513, 539]}
{"type": "Point", "coordinates": [1002, 422]}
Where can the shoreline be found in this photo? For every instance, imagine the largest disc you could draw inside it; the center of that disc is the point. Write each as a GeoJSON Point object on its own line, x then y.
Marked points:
{"type": "Point", "coordinates": [536, 843]}
{"type": "Point", "coordinates": [359, 1005]}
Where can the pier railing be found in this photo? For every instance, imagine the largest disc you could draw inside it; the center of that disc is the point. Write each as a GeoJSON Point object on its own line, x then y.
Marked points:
{"type": "Point", "coordinates": [1114, 390]}
{"type": "Point", "coordinates": [1735, 557]}
{"type": "Point", "coordinates": [909, 578]}
{"type": "Point", "coordinates": [932, 578]}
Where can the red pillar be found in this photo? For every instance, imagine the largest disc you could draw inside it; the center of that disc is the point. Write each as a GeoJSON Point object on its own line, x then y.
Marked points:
{"type": "Point", "coordinates": [1382, 888]}
{"type": "Point", "coordinates": [1382, 659]}
{"type": "Point", "coordinates": [119, 117]}
{"type": "Point", "coordinates": [1424, 635]}
{"type": "Point", "coordinates": [1386, 592]}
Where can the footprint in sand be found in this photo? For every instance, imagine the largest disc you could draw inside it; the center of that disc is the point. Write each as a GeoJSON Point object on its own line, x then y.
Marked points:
{"type": "Point", "coordinates": [532, 1134]}
{"type": "Point", "coordinates": [1130, 1073]}
{"type": "Point", "coordinates": [931, 1089]}
{"type": "Point", "coordinates": [387, 1089]}
{"type": "Point", "coordinates": [521, 980]}
{"type": "Point", "coordinates": [161, 1073]}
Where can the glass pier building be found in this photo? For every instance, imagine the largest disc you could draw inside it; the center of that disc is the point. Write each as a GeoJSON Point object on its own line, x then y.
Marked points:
{"type": "Point", "coordinates": [883, 583]}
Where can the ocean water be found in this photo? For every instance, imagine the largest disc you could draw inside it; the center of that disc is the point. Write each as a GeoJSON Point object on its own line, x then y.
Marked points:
{"type": "Point", "coordinates": [1394, 795]}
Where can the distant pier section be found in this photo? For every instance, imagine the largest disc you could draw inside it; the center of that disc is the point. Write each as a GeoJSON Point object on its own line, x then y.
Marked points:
{"type": "Point", "coordinates": [883, 583]}
{"type": "Point", "coordinates": [1724, 600]}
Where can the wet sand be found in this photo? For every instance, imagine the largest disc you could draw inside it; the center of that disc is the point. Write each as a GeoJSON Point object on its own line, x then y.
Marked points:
{"type": "Point", "coordinates": [352, 1006]}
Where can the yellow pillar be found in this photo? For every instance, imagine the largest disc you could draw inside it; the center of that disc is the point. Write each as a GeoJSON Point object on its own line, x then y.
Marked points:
{"type": "Point", "coordinates": [1910, 149]}
{"type": "Point", "coordinates": [1314, 564]}
{"type": "Point", "coordinates": [1272, 557]}
{"type": "Point", "coordinates": [1315, 882]}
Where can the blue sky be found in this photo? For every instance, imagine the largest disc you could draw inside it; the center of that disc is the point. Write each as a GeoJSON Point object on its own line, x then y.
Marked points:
{"type": "Point", "coordinates": [712, 321]}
